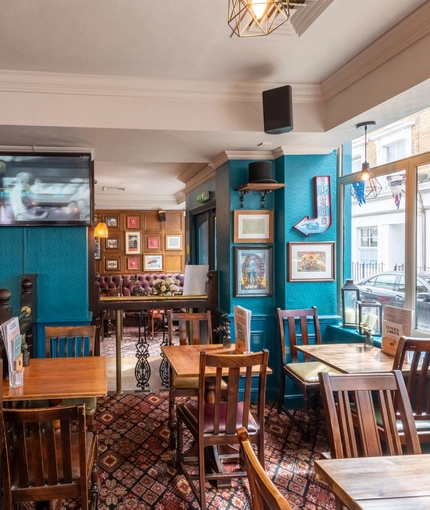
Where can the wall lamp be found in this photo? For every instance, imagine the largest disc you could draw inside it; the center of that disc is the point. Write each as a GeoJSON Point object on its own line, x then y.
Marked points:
{"type": "Point", "coordinates": [162, 215]}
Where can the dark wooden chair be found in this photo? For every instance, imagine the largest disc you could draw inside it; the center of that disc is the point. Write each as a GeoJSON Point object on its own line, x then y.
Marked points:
{"type": "Point", "coordinates": [361, 413]}
{"type": "Point", "coordinates": [41, 462]}
{"type": "Point", "coordinates": [303, 372]}
{"type": "Point", "coordinates": [264, 494]}
{"type": "Point", "coordinates": [193, 328]}
{"type": "Point", "coordinates": [73, 341]}
{"type": "Point", "coordinates": [417, 378]}
{"type": "Point", "coordinates": [213, 424]}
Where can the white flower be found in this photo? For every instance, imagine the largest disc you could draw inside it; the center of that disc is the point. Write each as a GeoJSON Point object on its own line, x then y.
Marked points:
{"type": "Point", "coordinates": [165, 287]}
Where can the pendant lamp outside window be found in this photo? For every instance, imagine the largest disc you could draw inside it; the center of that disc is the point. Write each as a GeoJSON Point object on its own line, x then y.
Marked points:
{"type": "Point", "coordinates": [367, 185]}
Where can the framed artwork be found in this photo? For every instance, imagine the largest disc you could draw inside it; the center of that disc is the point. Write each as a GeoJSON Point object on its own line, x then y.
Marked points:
{"type": "Point", "coordinates": [133, 263]}
{"type": "Point", "coordinates": [173, 242]}
{"type": "Point", "coordinates": [132, 243]}
{"type": "Point", "coordinates": [153, 243]}
{"type": "Point", "coordinates": [253, 271]}
{"type": "Point", "coordinates": [112, 265]}
{"type": "Point", "coordinates": [97, 248]}
{"type": "Point", "coordinates": [112, 243]}
{"type": "Point", "coordinates": [253, 226]}
{"type": "Point", "coordinates": [132, 221]}
{"type": "Point", "coordinates": [153, 263]}
{"type": "Point", "coordinates": [112, 221]}
{"type": "Point", "coordinates": [311, 262]}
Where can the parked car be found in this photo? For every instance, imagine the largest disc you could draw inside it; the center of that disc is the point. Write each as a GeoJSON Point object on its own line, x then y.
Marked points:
{"type": "Point", "coordinates": [389, 289]}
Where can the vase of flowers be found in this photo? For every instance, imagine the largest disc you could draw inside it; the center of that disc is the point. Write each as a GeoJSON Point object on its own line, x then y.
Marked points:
{"type": "Point", "coordinates": [224, 328]}
{"type": "Point", "coordinates": [165, 287]}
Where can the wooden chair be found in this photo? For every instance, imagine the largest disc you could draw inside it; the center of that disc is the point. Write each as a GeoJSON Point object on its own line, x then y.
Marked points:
{"type": "Point", "coordinates": [303, 373]}
{"type": "Point", "coordinates": [73, 341]}
{"type": "Point", "coordinates": [417, 378]}
{"type": "Point", "coordinates": [213, 424]}
{"type": "Point", "coordinates": [354, 402]}
{"type": "Point", "coordinates": [41, 463]}
{"type": "Point", "coordinates": [191, 328]}
{"type": "Point", "coordinates": [264, 494]}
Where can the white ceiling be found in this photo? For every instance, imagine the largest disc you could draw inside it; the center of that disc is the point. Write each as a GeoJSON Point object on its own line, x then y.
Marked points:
{"type": "Point", "coordinates": [161, 89]}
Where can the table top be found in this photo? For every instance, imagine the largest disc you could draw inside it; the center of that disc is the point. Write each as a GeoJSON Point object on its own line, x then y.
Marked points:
{"type": "Point", "coordinates": [58, 378]}
{"type": "Point", "coordinates": [185, 359]}
{"type": "Point", "coordinates": [349, 358]}
{"type": "Point", "coordinates": [367, 483]}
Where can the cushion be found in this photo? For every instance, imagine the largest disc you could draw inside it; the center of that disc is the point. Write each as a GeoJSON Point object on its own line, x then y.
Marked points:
{"type": "Point", "coordinates": [189, 382]}
{"type": "Point", "coordinates": [308, 371]}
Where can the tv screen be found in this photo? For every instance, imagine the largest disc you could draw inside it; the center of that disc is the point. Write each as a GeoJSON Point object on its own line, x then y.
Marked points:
{"type": "Point", "coordinates": [46, 189]}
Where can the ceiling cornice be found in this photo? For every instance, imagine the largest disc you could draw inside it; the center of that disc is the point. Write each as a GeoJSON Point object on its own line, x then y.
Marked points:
{"type": "Point", "coordinates": [393, 42]}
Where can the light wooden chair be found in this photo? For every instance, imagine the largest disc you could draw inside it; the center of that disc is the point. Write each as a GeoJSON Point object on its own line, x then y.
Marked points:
{"type": "Point", "coordinates": [264, 494]}
{"type": "Point", "coordinates": [354, 403]}
{"type": "Point", "coordinates": [73, 341]}
{"type": "Point", "coordinates": [41, 462]}
{"type": "Point", "coordinates": [213, 424]}
{"type": "Point", "coordinates": [417, 378]}
{"type": "Point", "coordinates": [193, 327]}
{"type": "Point", "coordinates": [294, 330]}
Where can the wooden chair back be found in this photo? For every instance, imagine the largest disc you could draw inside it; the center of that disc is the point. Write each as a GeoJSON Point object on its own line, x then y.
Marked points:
{"type": "Point", "coordinates": [264, 494]}
{"type": "Point", "coordinates": [351, 404]}
{"type": "Point", "coordinates": [70, 341]}
{"type": "Point", "coordinates": [298, 330]}
{"type": "Point", "coordinates": [43, 462]}
{"type": "Point", "coordinates": [417, 378]}
{"type": "Point", "coordinates": [193, 327]}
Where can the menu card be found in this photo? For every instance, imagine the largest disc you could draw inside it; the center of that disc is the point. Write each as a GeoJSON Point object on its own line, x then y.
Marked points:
{"type": "Point", "coordinates": [397, 322]}
{"type": "Point", "coordinates": [12, 339]}
{"type": "Point", "coordinates": [242, 325]}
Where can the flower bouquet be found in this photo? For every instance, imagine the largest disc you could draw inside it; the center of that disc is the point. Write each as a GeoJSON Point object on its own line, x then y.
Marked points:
{"type": "Point", "coordinates": [166, 287]}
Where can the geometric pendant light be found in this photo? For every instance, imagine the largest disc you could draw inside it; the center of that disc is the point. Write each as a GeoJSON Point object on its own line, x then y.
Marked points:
{"type": "Point", "coordinates": [253, 18]}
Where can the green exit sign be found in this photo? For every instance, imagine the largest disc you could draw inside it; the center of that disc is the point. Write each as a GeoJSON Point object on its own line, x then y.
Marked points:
{"type": "Point", "coordinates": [203, 197]}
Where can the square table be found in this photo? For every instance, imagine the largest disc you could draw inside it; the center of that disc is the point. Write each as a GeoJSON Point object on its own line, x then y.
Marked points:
{"type": "Point", "coordinates": [60, 378]}
{"type": "Point", "coordinates": [379, 483]}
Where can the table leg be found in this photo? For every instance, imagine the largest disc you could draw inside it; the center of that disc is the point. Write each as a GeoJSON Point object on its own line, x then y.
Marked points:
{"type": "Point", "coordinates": [118, 336]}
{"type": "Point", "coordinates": [142, 371]}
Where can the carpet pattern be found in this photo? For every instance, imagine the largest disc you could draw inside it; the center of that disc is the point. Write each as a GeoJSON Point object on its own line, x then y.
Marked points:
{"type": "Point", "coordinates": [137, 472]}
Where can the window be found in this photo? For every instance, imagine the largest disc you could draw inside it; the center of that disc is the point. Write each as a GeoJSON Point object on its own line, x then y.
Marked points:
{"type": "Point", "coordinates": [395, 151]}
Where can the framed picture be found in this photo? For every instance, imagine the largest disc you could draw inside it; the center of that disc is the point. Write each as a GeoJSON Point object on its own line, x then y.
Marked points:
{"type": "Point", "coordinates": [153, 263]}
{"type": "Point", "coordinates": [112, 243]}
{"type": "Point", "coordinates": [253, 271]}
{"type": "Point", "coordinates": [173, 242]}
{"type": "Point", "coordinates": [311, 262]}
{"type": "Point", "coordinates": [153, 243]}
{"type": "Point", "coordinates": [253, 226]}
{"type": "Point", "coordinates": [132, 243]}
{"type": "Point", "coordinates": [132, 221]}
{"type": "Point", "coordinates": [112, 265]}
{"type": "Point", "coordinates": [112, 221]}
{"type": "Point", "coordinates": [97, 248]}
{"type": "Point", "coordinates": [133, 263]}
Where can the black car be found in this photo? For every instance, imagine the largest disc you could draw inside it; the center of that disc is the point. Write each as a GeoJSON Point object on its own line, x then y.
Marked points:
{"type": "Point", "coordinates": [389, 289]}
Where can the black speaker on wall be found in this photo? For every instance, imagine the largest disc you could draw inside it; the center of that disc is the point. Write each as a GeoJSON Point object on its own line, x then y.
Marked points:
{"type": "Point", "coordinates": [278, 110]}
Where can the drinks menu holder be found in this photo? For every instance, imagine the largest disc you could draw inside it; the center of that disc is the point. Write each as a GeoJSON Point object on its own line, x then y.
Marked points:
{"type": "Point", "coordinates": [12, 338]}
{"type": "Point", "coordinates": [242, 325]}
{"type": "Point", "coordinates": [397, 323]}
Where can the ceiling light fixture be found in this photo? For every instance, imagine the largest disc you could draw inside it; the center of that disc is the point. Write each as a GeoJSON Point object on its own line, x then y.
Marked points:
{"type": "Point", "coordinates": [253, 18]}
{"type": "Point", "coordinates": [101, 229]}
{"type": "Point", "coordinates": [367, 185]}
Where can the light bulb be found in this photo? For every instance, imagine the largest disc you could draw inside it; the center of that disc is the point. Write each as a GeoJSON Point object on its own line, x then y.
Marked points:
{"type": "Point", "coordinates": [259, 7]}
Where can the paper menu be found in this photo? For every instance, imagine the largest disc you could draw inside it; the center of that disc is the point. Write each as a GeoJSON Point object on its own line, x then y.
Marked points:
{"type": "Point", "coordinates": [397, 322]}
{"type": "Point", "coordinates": [12, 339]}
{"type": "Point", "coordinates": [242, 325]}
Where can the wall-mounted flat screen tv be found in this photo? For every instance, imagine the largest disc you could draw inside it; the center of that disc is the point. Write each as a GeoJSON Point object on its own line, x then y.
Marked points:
{"type": "Point", "coordinates": [46, 188]}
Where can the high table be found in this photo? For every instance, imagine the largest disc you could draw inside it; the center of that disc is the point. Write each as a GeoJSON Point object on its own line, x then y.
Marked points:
{"type": "Point", "coordinates": [379, 483]}
{"type": "Point", "coordinates": [350, 358]}
{"type": "Point", "coordinates": [60, 378]}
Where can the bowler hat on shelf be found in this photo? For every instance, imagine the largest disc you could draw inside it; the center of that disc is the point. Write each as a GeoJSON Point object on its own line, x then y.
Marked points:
{"type": "Point", "coordinates": [260, 172]}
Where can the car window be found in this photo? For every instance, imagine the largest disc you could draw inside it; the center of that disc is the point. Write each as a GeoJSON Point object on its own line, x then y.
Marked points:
{"type": "Point", "coordinates": [385, 281]}
{"type": "Point", "coordinates": [370, 282]}
{"type": "Point", "coordinates": [421, 287]}
{"type": "Point", "coordinates": [401, 284]}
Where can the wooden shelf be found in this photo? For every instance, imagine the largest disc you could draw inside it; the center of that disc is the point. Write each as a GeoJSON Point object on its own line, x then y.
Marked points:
{"type": "Point", "coordinates": [263, 187]}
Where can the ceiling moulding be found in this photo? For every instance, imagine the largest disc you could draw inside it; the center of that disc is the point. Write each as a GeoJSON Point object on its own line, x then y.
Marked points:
{"type": "Point", "coordinates": [205, 175]}
{"type": "Point", "coordinates": [191, 171]}
{"type": "Point", "coordinates": [403, 35]}
{"type": "Point", "coordinates": [124, 86]}
{"type": "Point", "coordinates": [180, 197]}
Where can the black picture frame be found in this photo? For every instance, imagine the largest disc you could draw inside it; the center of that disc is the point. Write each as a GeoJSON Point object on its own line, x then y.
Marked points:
{"type": "Point", "coordinates": [253, 271]}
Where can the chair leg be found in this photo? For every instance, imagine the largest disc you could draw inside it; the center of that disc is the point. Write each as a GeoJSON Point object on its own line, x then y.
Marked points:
{"type": "Point", "coordinates": [172, 419]}
{"type": "Point", "coordinates": [90, 422]}
{"type": "Point", "coordinates": [202, 478]}
{"type": "Point", "coordinates": [281, 394]}
{"type": "Point", "coordinates": [94, 489]}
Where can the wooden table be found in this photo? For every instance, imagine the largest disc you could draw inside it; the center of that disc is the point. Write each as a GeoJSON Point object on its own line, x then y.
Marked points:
{"type": "Point", "coordinates": [382, 483]}
{"type": "Point", "coordinates": [350, 358]}
{"type": "Point", "coordinates": [58, 378]}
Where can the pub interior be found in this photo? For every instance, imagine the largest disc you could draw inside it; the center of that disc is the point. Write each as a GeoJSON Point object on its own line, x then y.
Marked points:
{"type": "Point", "coordinates": [279, 218]}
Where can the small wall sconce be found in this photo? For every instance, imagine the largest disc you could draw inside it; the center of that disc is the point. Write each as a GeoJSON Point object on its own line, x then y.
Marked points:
{"type": "Point", "coordinates": [162, 215]}
{"type": "Point", "coordinates": [101, 229]}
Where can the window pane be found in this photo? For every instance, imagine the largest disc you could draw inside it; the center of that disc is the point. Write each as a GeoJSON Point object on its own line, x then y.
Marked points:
{"type": "Point", "coordinates": [423, 248]}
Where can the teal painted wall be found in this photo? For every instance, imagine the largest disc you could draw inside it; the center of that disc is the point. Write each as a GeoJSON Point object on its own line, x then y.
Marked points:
{"type": "Point", "coordinates": [59, 256]}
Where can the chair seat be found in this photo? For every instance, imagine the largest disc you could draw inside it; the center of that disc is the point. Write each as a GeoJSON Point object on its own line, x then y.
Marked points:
{"type": "Point", "coordinates": [90, 404]}
{"type": "Point", "coordinates": [308, 371]}
{"type": "Point", "coordinates": [189, 382]}
{"type": "Point", "coordinates": [191, 410]}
